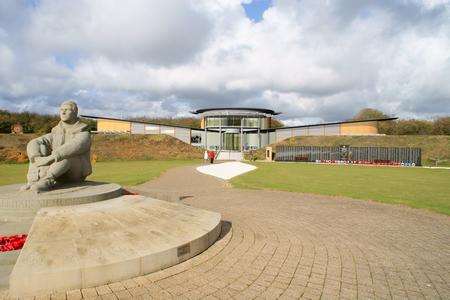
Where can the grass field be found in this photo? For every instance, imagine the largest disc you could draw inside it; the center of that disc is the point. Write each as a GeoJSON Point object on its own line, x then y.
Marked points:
{"type": "Point", "coordinates": [121, 172]}
{"type": "Point", "coordinates": [415, 187]}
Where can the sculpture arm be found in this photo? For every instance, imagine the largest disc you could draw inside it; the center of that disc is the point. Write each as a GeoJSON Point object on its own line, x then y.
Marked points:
{"type": "Point", "coordinates": [40, 146]}
{"type": "Point", "coordinates": [80, 144]}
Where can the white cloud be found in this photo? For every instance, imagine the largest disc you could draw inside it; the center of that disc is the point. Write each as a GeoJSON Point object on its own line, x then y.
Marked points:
{"type": "Point", "coordinates": [430, 4]}
{"type": "Point", "coordinates": [155, 32]}
{"type": "Point", "coordinates": [312, 60]}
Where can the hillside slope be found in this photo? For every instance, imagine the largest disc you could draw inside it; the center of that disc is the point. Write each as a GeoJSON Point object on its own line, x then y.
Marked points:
{"type": "Point", "coordinates": [431, 145]}
{"type": "Point", "coordinates": [141, 147]}
{"type": "Point", "coordinates": [110, 147]}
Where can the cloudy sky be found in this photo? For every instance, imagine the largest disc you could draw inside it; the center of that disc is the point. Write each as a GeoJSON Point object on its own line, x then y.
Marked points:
{"type": "Point", "coordinates": [313, 60]}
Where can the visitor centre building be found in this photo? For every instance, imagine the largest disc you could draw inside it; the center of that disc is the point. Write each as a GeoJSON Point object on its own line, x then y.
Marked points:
{"type": "Point", "coordinates": [237, 129]}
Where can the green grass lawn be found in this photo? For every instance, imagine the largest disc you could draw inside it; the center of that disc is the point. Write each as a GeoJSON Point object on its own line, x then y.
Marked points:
{"type": "Point", "coordinates": [416, 187]}
{"type": "Point", "coordinates": [122, 172]}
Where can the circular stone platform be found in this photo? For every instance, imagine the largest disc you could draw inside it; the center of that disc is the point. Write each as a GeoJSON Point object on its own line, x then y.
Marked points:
{"type": "Point", "coordinates": [83, 246]}
{"type": "Point", "coordinates": [12, 199]}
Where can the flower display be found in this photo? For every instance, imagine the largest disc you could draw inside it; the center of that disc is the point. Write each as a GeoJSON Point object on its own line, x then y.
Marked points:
{"type": "Point", "coordinates": [13, 242]}
{"type": "Point", "coordinates": [127, 192]}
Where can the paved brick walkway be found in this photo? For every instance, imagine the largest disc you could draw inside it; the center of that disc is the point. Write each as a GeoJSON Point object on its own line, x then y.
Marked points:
{"type": "Point", "coordinates": [289, 246]}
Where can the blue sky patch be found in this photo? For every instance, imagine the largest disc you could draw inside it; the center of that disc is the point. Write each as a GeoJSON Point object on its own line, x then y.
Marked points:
{"type": "Point", "coordinates": [255, 9]}
{"type": "Point", "coordinates": [67, 59]}
{"type": "Point", "coordinates": [32, 3]}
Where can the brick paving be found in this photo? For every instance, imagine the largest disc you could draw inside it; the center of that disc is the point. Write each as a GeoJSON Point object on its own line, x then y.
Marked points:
{"type": "Point", "coordinates": [290, 246]}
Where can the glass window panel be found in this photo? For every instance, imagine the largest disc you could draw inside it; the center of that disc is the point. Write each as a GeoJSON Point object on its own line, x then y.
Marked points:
{"type": "Point", "coordinates": [264, 123]}
{"type": "Point", "coordinates": [251, 122]}
{"type": "Point", "coordinates": [213, 122]}
{"type": "Point", "coordinates": [235, 121]}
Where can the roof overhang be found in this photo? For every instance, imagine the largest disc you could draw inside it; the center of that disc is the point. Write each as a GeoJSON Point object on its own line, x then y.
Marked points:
{"type": "Point", "coordinates": [235, 111]}
{"type": "Point", "coordinates": [342, 122]}
{"type": "Point", "coordinates": [135, 121]}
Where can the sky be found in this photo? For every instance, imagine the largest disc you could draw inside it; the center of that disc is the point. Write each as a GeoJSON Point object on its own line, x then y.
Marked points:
{"type": "Point", "coordinates": [312, 60]}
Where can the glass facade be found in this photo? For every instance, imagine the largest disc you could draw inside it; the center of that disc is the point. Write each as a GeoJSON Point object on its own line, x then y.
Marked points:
{"type": "Point", "coordinates": [231, 141]}
{"type": "Point", "coordinates": [235, 121]}
{"type": "Point", "coordinates": [235, 130]}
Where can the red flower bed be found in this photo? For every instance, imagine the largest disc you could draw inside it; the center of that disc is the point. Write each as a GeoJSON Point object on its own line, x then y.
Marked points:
{"type": "Point", "coordinates": [127, 192]}
{"type": "Point", "coordinates": [13, 242]}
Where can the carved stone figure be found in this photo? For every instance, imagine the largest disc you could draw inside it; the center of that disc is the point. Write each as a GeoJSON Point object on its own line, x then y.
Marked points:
{"type": "Point", "coordinates": [62, 155]}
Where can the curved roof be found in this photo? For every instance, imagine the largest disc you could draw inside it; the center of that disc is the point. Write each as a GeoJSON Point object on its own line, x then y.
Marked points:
{"type": "Point", "coordinates": [260, 110]}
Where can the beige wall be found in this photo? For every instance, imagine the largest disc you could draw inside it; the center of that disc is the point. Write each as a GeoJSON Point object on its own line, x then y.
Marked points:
{"type": "Point", "coordinates": [361, 128]}
{"type": "Point", "coordinates": [113, 126]}
{"type": "Point", "coordinates": [202, 123]}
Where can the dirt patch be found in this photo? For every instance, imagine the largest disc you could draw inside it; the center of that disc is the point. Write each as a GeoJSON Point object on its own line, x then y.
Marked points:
{"type": "Point", "coordinates": [13, 148]}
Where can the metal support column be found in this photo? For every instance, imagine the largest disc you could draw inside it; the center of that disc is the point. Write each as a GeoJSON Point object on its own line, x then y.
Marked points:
{"type": "Point", "coordinates": [206, 134]}
{"type": "Point", "coordinates": [220, 135]}
{"type": "Point", "coordinates": [259, 132]}
{"type": "Point", "coordinates": [242, 135]}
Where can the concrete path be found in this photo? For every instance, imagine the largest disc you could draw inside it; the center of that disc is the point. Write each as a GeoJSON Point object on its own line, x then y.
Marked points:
{"type": "Point", "coordinates": [226, 170]}
{"type": "Point", "coordinates": [290, 246]}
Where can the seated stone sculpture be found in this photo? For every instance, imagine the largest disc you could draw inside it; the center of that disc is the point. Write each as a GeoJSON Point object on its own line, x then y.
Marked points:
{"type": "Point", "coordinates": [61, 156]}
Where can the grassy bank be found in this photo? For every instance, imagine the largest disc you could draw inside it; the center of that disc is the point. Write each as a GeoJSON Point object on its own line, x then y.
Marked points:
{"type": "Point", "coordinates": [415, 187]}
{"type": "Point", "coordinates": [109, 147]}
{"type": "Point", "coordinates": [121, 172]}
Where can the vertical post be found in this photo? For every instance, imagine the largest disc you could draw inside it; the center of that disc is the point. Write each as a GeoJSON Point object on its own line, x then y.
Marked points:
{"type": "Point", "coordinates": [220, 134]}
{"type": "Point", "coordinates": [242, 135]}
{"type": "Point", "coordinates": [206, 134]}
{"type": "Point", "coordinates": [259, 132]}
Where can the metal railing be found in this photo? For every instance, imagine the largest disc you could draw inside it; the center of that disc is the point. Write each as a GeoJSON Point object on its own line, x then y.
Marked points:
{"type": "Point", "coordinates": [381, 155]}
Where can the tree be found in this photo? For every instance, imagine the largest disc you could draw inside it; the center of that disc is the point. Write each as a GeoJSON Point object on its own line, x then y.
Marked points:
{"type": "Point", "coordinates": [5, 122]}
{"type": "Point", "coordinates": [413, 127]}
{"type": "Point", "coordinates": [91, 124]}
{"type": "Point", "coordinates": [439, 154]}
{"type": "Point", "coordinates": [369, 113]}
{"type": "Point", "coordinates": [441, 126]}
{"type": "Point", "coordinates": [387, 127]}
{"type": "Point", "coordinates": [5, 126]}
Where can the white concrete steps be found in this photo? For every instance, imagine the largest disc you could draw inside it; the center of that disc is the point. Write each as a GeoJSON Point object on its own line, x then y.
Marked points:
{"type": "Point", "coordinates": [230, 155]}
{"type": "Point", "coordinates": [226, 170]}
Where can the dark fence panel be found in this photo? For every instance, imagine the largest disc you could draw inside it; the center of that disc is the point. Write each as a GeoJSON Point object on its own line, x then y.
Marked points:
{"type": "Point", "coordinates": [381, 155]}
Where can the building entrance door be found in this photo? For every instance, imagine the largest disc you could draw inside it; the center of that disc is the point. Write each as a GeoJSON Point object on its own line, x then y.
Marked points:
{"type": "Point", "coordinates": [231, 141]}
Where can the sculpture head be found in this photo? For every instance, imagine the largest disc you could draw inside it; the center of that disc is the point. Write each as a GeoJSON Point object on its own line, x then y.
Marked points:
{"type": "Point", "coordinates": [68, 112]}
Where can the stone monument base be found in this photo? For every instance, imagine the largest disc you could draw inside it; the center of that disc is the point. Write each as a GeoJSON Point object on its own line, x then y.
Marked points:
{"type": "Point", "coordinates": [11, 198]}
{"type": "Point", "coordinates": [88, 245]}
{"type": "Point", "coordinates": [7, 262]}
{"type": "Point", "coordinates": [18, 209]}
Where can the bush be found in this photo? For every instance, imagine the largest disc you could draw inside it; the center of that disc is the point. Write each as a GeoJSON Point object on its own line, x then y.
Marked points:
{"type": "Point", "coordinates": [413, 127]}
{"type": "Point", "coordinates": [441, 126]}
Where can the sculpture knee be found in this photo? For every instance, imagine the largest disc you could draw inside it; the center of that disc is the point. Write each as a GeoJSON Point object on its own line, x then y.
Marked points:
{"type": "Point", "coordinates": [37, 149]}
{"type": "Point", "coordinates": [59, 168]}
